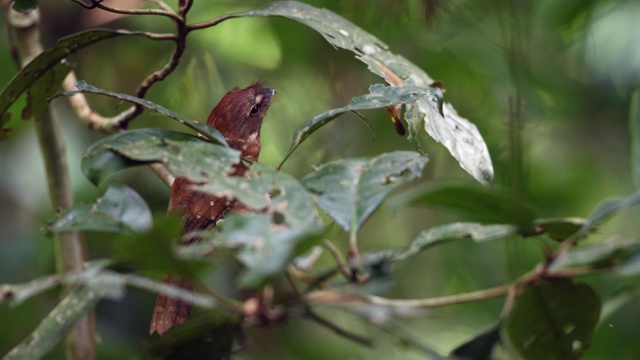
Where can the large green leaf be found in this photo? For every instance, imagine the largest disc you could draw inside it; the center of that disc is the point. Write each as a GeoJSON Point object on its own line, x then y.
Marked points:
{"type": "Point", "coordinates": [457, 134]}
{"type": "Point", "coordinates": [350, 190]}
{"type": "Point", "coordinates": [182, 154]}
{"type": "Point", "coordinates": [265, 248]}
{"type": "Point", "coordinates": [554, 319]}
{"type": "Point", "coordinates": [379, 96]}
{"type": "Point", "coordinates": [120, 209]}
{"type": "Point", "coordinates": [287, 225]}
{"type": "Point", "coordinates": [204, 129]}
{"type": "Point", "coordinates": [47, 60]}
{"type": "Point", "coordinates": [477, 203]}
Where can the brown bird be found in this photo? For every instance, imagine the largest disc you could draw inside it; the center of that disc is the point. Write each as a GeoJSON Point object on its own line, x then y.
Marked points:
{"type": "Point", "coordinates": [238, 116]}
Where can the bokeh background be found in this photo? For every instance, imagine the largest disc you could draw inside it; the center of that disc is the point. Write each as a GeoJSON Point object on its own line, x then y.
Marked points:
{"type": "Point", "coordinates": [572, 63]}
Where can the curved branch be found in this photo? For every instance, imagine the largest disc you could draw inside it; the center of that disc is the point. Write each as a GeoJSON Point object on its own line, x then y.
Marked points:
{"type": "Point", "coordinates": [210, 23]}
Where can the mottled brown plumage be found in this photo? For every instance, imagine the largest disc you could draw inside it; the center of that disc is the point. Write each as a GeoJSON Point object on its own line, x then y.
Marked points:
{"type": "Point", "coordinates": [238, 116]}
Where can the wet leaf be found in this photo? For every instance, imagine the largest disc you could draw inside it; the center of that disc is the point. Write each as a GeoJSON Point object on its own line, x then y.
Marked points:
{"type": "Point", "coordinates": [350, 190]}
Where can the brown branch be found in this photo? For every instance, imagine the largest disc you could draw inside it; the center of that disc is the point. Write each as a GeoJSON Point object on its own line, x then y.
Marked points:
{"type": "Point", "coordinates": [210, 23]}
{"type": "Point", "coordinates": [344, 270]}
{"type": "Point", "coordinates": [84, 112]}
{"type": "Point", "coordinates": [164, 12]}
{"type": "Point", "coordinates": [335, 297]}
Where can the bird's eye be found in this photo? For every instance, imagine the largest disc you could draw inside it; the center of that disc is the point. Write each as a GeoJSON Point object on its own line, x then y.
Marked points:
{"type": "Point", "coordinates": [255, 109]}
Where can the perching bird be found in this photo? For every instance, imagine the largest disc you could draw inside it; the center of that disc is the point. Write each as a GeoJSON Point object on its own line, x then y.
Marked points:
{"type": "Point", "coordinates": [238, 117]}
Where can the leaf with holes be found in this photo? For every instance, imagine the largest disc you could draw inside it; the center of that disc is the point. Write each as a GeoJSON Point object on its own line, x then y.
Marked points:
{"type": "Point", "coordinates": [350, 190]}
{"type": "Point", "coordinates": [457, 134]}
{"type": "Point", "coordinates": [379, 97]}
{"type": "Point", "coordinates": [554, 319]}
{"type": "Point", "coordinates": [183, 154]}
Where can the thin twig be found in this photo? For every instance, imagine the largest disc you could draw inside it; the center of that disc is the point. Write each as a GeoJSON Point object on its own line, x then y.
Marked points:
{"type": "Point", "coordinates": [210, 23]}
{"type": "Point", "coordinates": [84, 112]}
{"type": "Point", "coordinates": [335, 297]}
{"type": "Point", "coordinates": [344, 270]}
{"type": "Point", "coordinates": [338, 330]}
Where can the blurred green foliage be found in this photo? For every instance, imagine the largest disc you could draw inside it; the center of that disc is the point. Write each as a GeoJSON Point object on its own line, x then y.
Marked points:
{"type": "Point", "coordinates": [573, 63]}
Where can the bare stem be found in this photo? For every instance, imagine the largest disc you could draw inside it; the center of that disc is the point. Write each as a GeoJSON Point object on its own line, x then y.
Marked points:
{"type": "Point", "coordinates": [344, 270]}
{"type": "Point", "coordinates": [335, 297]}
{"type": "Point", "coordinates": [210, 23]}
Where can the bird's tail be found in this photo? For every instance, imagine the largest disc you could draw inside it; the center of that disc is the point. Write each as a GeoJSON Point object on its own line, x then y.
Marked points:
{"type": "Point", "coordinates": [170, 311]}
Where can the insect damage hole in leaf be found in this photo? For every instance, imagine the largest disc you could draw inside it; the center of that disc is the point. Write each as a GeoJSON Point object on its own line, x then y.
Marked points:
{"type": "Point", "coordinates": [442, 122]}
{"type": "Point", "coordinates": [554, 319]}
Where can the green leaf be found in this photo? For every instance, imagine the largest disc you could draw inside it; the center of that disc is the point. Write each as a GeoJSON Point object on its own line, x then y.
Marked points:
{"type": "Point", "coordinates": [47, 60]}
{"type": "Point", "coordinates": [287, 225]}
{"type": "Point", "coordinates": [604, 210]}
{"type": "Point", "coordinates": [379, 96]}
{"type": "Point", "coordinates": [120, 209]}
{"type": "Point", "coordinates": [634, 125]}
{"type": "Point", "coordinates": [554, 319]}
{"type": "Point", "coordinates": [24, 6]}
{"type": "Point", "coordinates": [54, 327]}
{"type": "Point", "coordinates": [41, 91]}
{"type": "Point", "coordinates": [264, 248]}
{"type": "Point", "coordinates": [204, 129]}
{"type": "Point", "coordinates": [477, 203]}
{"type": "Point", "coordinates": [264, 188]}
{"type": "Point", "coordinates": [602, 254]}
{"type": "Point", "coordinates": [182, 154]}
{"type": "Point", "coordinates": [350, 190]}
{"type": "Point", "coordinates": [457, 134]}
{"type": "Point", "coordinates": [480, 347]}
{"type": "Point", "coordinates": [558, 229]}
{"type": "Point", "coordinates": [456, 231]}
{"type": "Point", "coordinates": [154, 250]}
